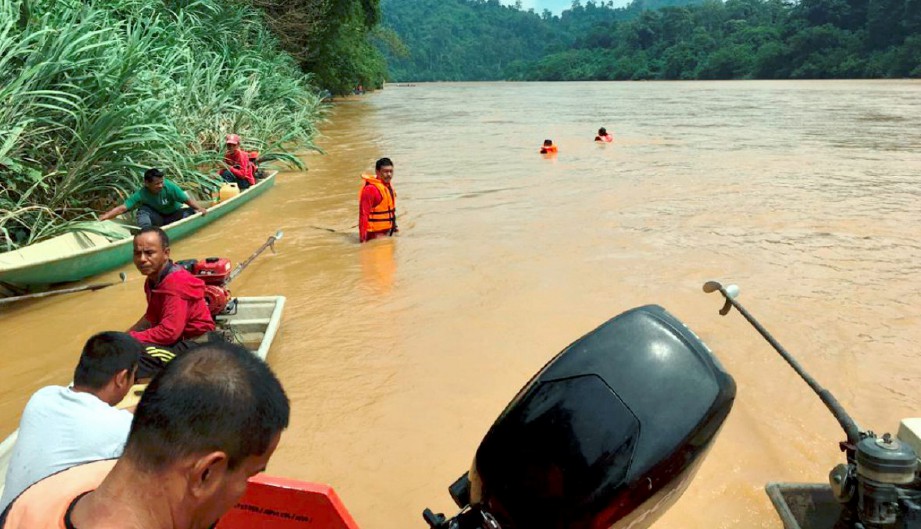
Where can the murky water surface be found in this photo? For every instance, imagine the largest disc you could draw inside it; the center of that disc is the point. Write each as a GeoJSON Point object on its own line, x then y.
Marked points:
{"type": "Point", "coordinates": [399, 354]}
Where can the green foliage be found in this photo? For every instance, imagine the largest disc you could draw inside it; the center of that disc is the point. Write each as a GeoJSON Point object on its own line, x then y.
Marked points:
{"type": "Point", "coordinates": [93, 92]}
{"type": "Point", "coordinates": [461, 40]}
{"type": "Point", "coordinates": [457, 40]}
{"type": "Point", "coordinates": [332, 39]}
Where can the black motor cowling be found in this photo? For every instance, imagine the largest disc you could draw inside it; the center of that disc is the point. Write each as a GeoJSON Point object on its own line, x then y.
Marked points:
{"type": "Point", "coordinates": [609, 430]}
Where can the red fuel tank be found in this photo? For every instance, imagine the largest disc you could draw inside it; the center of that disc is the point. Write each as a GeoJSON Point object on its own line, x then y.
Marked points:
{"type": "Point", "coordinates": [213, 270]}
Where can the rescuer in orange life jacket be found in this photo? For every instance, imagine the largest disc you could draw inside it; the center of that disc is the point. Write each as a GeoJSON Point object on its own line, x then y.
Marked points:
{"type": "Point", "coordinates": [377, 214]}
{"type": "Point", "coordinates": [548, 147]}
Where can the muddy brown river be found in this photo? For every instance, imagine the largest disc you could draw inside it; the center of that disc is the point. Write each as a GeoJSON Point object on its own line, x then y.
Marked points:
{"type": "Point", "coordinates": [398, 354]}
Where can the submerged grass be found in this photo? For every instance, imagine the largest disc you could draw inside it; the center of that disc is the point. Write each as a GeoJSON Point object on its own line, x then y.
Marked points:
{"type": "Point", "coordinates": [93, 92]}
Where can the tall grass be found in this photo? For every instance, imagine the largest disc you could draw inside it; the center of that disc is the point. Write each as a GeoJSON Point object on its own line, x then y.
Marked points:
{"type": "Point", "coordinates": [93, 92]}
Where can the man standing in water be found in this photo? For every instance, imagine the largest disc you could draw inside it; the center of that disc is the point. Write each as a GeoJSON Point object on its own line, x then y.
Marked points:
{"type": "Point", "coordinates": [159, 202]}
{"type": "Point", "coordinates": [377, 214]}
{"type": "Point", "coordinates": [176, 308]}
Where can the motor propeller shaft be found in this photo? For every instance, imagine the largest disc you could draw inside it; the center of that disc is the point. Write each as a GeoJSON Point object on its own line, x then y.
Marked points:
{"type": "Point", "coordinates": [730, 293]}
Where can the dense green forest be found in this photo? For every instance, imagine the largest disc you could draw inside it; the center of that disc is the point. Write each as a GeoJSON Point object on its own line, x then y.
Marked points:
{"type": "Point", "coordinates": [460, 40]}
{"type": "Point", "coordinates": [331, 39]}
{"type": "Point", "coordinates": [96, 91]}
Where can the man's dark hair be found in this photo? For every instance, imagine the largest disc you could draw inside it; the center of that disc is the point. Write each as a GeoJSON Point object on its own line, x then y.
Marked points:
{"type": "Point", "coordinates": [164, 238]}
{"type": "Point", "coordinates": [383, 162]}
{"type": "Point", "coordinates": [216, 397]}
{"type": "Point", "coordinates": [104, 355]}
{"type": "Point", "coordinates": [548, 142]}
{"type": "Point", "coordinates": [152, 174]}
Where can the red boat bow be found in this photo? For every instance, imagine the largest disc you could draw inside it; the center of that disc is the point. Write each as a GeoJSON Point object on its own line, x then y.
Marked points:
{"type": "Point", "coordinates": [280, 503]}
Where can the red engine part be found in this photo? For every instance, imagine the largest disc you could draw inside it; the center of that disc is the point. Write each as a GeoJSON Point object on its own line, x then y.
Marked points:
{"type": "Point", "coordinates": [217, 298]}
{"type": "Point", "coordinates": [213, 270]}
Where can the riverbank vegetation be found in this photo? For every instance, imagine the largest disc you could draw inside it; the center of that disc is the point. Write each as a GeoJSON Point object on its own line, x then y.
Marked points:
{"type": "Point", "coordinates": [94, 92]}
{"type": "Point", "coordinates": [331, 39]}
{"type": "Point", "coordinates": [461, 40]}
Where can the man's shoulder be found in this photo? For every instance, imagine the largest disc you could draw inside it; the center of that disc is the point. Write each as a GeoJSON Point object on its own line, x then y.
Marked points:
{"type": "Point", "coordinates": [179, 273]}
{"type": "Point", "coordinates": [41, 405]}
{"type": "Point", "coordinates": [170, 185]}
{"type": "Point", "coordinates": [47, 394]}
{"type": "Point", "coordinates": [137, 197]}
{"type": "Point", "coordinates": [45, 503]}
{"type": "Point", "coordinates": [65, 403]}
{"type": "Point", "coordinates": [180, 280]}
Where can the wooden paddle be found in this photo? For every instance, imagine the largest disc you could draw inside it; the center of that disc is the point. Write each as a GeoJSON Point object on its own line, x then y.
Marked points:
{"type": "Point", "coordinates": [94, 286]}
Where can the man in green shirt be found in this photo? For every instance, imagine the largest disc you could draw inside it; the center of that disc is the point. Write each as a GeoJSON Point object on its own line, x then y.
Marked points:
{"type": "Point", "coordinates": [158, 203]}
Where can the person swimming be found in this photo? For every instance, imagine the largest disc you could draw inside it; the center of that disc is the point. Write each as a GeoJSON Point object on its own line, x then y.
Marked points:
{"type": "Point", "coordinates": [548, 147]}
{"type": "Point", "coordinates": [604, 136]}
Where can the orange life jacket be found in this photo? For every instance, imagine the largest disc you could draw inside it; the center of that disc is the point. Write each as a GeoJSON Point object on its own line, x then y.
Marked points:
{"type": "Point", "coordinates": [383, 216]}
{"type": "Point", "coordinates": [44, 504]}
{"type": "Point", "coordinates": [548, 149]}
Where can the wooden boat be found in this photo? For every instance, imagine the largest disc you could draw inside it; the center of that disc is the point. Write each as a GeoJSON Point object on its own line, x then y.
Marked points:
{"type": "Point", "coordinates": [253, 322]}
{"type": "Point", "coordinates": [104, 246]}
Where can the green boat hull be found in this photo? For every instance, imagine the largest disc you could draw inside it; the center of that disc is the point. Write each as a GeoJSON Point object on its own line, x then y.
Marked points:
{"type": "Point", "coordinates": [95, 260]}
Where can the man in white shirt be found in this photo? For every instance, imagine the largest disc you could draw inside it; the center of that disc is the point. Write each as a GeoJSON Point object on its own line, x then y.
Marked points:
{"type": "Point", "coordinates": [63, 427]}
{"type": "Point", "coordinates": [205, 425]}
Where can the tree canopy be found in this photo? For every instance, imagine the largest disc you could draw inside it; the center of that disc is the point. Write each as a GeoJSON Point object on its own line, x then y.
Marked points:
{"type": "Point", "coordinates": [465, 40]}
{"type": "Point", "coordinates": [332, 39]}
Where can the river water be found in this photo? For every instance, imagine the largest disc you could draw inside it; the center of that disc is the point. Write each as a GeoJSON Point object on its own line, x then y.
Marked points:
{"type": "Point", "coordinates": [397, 355]}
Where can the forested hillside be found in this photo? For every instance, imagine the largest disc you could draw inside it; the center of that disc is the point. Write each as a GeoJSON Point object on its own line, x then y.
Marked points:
{"type": "Point", "coordinates": [460, 40]}
{"type": "Point", "coordinates": [738, 39]}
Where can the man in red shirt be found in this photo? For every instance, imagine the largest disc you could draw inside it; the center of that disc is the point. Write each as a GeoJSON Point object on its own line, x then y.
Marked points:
{"type": "Point", "coordinates": [176, 308]}
{"type": "Point", "coordinates": [377, 216]}
{"type": "Point", "coordinates": [238, 168]}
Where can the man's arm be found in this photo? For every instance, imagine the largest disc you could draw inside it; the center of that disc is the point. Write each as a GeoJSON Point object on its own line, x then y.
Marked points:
{"type": "Point", "coordinates": [169, 330]}
{"type": "Point", "coordinates": [141, 325]}
{"type": "Point", "coordinates": [114, 212]}
{"type": "Point", "coordinates": [241, 167]}
{"type": "Point", "coordinates": [370, 197]}
{"type": "Point", "coordinates": [245, 167]}
{"type": "Point", "coordinates": [194, 205]}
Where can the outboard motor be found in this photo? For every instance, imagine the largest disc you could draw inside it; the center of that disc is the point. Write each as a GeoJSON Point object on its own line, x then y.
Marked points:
{"type": "Point", "coordinates": [878, 488]}
{"type": "Point", "coordinates": [216, 273]}
{"type": "Point", "coordinates": [608, 434]}
{"type": "Point", "coordinates": [886, 482]}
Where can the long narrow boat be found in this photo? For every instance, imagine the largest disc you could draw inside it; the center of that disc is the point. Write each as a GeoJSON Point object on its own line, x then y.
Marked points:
{"type": "Point", "coordinates": [253, 323]}
{"type": "Point", "coordinates": [80, 254]}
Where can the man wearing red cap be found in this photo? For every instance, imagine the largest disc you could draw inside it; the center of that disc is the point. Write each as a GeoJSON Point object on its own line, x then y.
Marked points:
{"type": "Point", "coordinates": [238, 169]}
